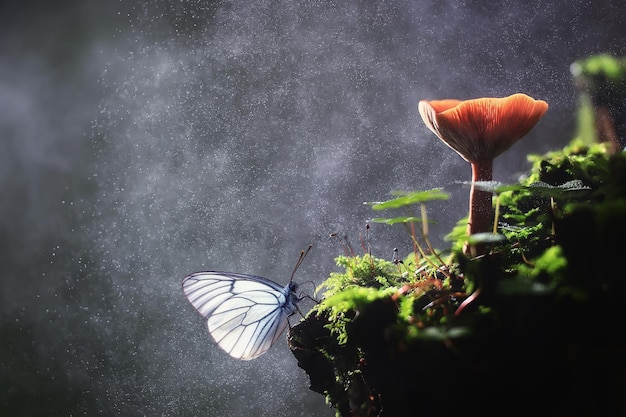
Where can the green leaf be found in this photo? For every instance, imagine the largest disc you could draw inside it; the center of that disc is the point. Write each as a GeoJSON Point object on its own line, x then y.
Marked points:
{"type": "Point", "coordinates": [394, 220]}
{"type": "Point", "coordinates": [488, 186]}
{"type": "Point", "coordinates": [544, 189]}
{"type": "Point", "coordinates": [442, 333]}
{"type": "Point", "coordinates": [408, 198]}
{"type": "Point", "coordinates": [486, 238]}
{"type": "Point", "coordinates": [560, 190]}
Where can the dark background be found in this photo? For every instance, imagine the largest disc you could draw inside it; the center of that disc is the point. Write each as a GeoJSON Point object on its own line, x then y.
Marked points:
{"type": "Point", "coordinates": [141, 142]}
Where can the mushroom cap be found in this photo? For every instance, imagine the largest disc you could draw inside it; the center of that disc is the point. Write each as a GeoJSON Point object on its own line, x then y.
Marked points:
{"type": "Point", "coordinates": [482, 128]}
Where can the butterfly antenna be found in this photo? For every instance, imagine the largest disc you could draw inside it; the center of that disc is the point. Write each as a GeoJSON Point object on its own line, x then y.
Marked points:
{"type": "Point", "coordinates": [303, 253]}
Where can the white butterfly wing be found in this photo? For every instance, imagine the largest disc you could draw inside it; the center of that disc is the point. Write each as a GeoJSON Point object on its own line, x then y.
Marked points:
{"type": "Point", "coordinates": [245, 314]}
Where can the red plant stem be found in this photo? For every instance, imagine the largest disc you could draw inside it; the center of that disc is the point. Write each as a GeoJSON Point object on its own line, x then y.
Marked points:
{"type": "Point", "coordinates": [480, 205]}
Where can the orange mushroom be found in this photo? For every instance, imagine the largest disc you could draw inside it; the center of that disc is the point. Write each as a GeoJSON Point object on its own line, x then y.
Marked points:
{"type": "Point", "coordinates": [479, 130]}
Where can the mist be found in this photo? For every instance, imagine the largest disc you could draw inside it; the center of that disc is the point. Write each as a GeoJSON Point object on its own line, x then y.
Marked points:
{"type": "Point", "coordinates": [143, 142]}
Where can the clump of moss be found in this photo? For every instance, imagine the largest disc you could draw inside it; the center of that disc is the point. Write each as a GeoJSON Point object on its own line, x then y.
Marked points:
{"type": "Point", "coordinates": [533, 323]}
{"type": "Point", "coordinates": [363, 280]}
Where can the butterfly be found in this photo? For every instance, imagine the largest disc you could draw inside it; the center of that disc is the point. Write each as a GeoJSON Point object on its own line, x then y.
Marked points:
{"type": "Point", "coordinates": [245, 314]}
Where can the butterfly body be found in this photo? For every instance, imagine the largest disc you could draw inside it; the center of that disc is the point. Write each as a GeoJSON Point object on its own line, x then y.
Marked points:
{"type": "Point", "coordinates": [245, 314]}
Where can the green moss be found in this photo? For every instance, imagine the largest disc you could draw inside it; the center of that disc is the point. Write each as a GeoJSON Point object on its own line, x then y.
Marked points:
{"type": "Point", "coordinates": [359, 271]}
{"type": "Point", "coordinates": [550, 263]}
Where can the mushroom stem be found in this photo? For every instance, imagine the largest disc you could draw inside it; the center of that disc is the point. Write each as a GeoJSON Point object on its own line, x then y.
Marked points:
{"type": "Point", "coordinates": [480, 205]}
